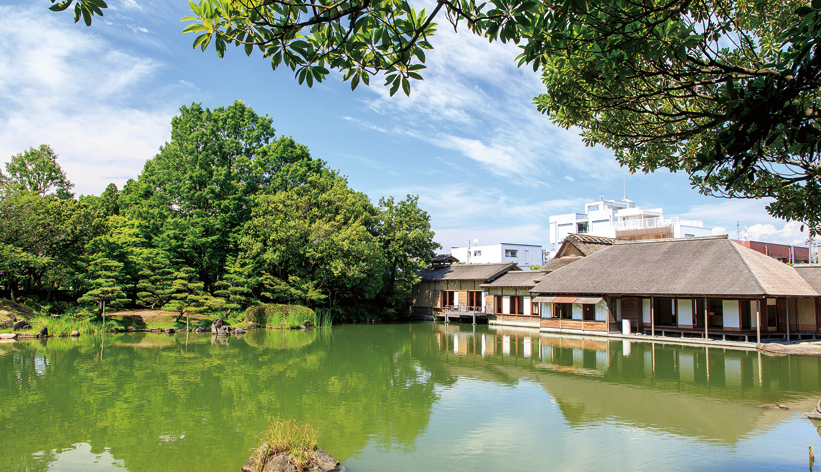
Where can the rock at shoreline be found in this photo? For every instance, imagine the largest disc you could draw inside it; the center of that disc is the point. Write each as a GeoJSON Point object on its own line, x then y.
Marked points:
{"type": "Point", "coordinates": [321, 461]}
{"type": "Point", "coordinates": [223, 331]}
{"type": "Point", "coordinates": [75, 333]}
{"type": "Point", "coordinates": [8, 335]}
{"type": "Point", "coordinates": [170, 331]}
{"type": "Point", "coordinates": [239, 331]}
{"type": "Point", "coordinates": [216, 325]}
{"type": "Point", "coordinates": [6, 324]}
{"type": "Point", "coordinates": [22, 324]}
{"type": "Point", "coordinates": [43, 332]}
{"type": "Point", "coordinates": [201, 329]}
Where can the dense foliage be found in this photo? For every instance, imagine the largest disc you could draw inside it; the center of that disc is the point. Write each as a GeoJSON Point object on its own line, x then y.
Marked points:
{"type": "Point", "coordinates": [224, 217]}
{"type": "Point", "coordinates": [725, 90]}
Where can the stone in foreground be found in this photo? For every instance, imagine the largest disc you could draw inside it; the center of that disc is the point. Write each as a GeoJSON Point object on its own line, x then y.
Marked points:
{"type": "Point", "coordinates": [321, 461]}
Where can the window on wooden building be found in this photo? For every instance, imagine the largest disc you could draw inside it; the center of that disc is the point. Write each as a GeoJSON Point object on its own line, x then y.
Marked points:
{"type": "Point", "coordinates": [448, 297]}
{"type": "Point", "coordinates": [588, 312]}
{"type": "Point", "coordinates": [475, 299]}
{"type": "Point", "coordinates": [517, 306]}
{"type": "Point", "coordinates": [563, 310]}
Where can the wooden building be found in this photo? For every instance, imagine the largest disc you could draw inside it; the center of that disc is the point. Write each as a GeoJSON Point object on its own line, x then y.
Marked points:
{"type": "Point", "coordinates": [456, 288]}
{"type": "Point", "coordinates": [706, 286]}
{"type": "Point", "coordinates": [508, 298]}
{"type": "Point", "coordinates": [574, 247]}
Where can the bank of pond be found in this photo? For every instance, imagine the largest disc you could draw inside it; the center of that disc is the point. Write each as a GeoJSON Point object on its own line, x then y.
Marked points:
{"type": "Point", "coordinates": [403, 397]}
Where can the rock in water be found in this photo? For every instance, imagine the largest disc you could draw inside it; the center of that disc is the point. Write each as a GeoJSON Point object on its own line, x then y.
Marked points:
{"type": "Point", "coordinates": [321, 461]}
{"type": "Point", "coordinates": [74, 333]}
{"type": "Point", "coordinates": [223, 331]}
{"type": "Point", "coordinates": [216, 325]}
{"type": "Point", "coordinates": [43, 332]}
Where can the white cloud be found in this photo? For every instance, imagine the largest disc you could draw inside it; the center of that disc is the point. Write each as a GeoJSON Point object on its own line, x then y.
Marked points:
{"type": "Point", "coordinates": [791, 233]}
{"type": "Point", "coordinates": [475, 102]}
{"type": "Point", "coordinates": [64, 86]}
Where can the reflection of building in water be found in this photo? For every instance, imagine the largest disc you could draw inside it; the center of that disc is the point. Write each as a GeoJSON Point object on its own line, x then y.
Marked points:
{"type": "Point", "coordinates": [698, 391]}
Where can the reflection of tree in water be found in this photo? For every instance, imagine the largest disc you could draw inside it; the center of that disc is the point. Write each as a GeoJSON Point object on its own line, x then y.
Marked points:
{"type": "Point", "coordinates": [154, 401]}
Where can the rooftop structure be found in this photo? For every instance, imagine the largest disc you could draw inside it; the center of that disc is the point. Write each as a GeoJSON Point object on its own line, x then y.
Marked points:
{"type": "Point", "coordinates": [622, 219]}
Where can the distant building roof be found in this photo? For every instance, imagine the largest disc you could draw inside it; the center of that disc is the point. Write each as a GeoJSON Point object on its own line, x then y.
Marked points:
{"type": "Point", "coordinates": [443, 259]}
{"type": "Point", "coordinates": [482, 272]}
{"type": "Point", "coordinates": [707, 266]}
{"type": "Point", "coordinates": [523, 278]}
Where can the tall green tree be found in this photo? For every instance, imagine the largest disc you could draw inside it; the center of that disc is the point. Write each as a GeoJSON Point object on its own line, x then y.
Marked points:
{"type": "Point", "coordinates": [407, 243]}
{"type": "Point", "coordinates": [192, 199]}
{"type": "Point", "coordinates": [36, 171]}
{"type": "Point", "coordinates": [321, 232]}
{"type": "Point", "coordinates": [44, 238]}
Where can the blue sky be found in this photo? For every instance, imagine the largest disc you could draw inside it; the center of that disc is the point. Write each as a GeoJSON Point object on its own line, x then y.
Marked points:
{"type": "Point", "coordinates": [485, 164]}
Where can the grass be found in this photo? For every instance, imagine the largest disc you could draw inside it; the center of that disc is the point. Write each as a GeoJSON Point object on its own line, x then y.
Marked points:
{"type": "Point", "coordinates": [141, 320]}
{"type": "Point", "coordinates": [295, 439]}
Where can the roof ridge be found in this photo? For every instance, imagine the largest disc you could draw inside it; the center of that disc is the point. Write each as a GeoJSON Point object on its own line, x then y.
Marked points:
{"type": "Point", "coordinates": [669, 240]}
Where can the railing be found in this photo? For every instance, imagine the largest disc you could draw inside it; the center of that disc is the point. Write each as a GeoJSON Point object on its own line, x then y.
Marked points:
{"type": "Point", "coordinates": [656, 223]}
{"type": "Point", "coordinates": [462, 308]}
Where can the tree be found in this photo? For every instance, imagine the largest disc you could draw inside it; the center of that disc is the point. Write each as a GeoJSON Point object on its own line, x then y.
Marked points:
{"type": "Point", "coordinates": [319, 233]}
{"type": "Point", "coordinates": [192, 199]}
{"type": "Point", "coordinates": [36, 171]}
{"type": "Point", "coordinates": [156, 278]}
{"type": "Point", "coordinates": [407, 243]}
{"type": "Point", "coordinates": [105, 287]}
{"type": "Point", "coordinates": [188, 296]}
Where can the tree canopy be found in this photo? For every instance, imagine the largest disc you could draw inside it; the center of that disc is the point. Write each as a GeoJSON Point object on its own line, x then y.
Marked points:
{"type": "Point", "coordinates": [226, 215]}
{"type": "Point", "coordinates": [725, 90]}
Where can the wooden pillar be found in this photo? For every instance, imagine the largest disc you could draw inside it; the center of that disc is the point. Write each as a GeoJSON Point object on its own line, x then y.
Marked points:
{"type": "Point", "coordinates": [706, 319]}
{"type": "Point", "coordinates": [788, 317]}
{"type": "Point", "coordinates": [652, 319]}
{"type": "Point", "coordinates": [758, 324]}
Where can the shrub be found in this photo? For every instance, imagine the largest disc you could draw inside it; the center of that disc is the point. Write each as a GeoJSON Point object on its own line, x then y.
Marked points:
{"type": "Point", "coordinates": [279, 316]}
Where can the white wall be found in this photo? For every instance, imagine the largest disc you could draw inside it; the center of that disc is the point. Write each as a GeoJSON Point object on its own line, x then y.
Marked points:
{"type": "Point", "coordinates": [546, 310]}
{"type": "Point", "coordinates": [577, 311]}
{"type": "Point", "coordinates": [526, 254]}
{"type": "Point", "coordinates": [646, 312]}
{"type": "Point", "coordinates": [684, 310]}
{"type": "Point", "coordinates": [601, 311]}
{"type": "Point", "coordinates": [730, 313]}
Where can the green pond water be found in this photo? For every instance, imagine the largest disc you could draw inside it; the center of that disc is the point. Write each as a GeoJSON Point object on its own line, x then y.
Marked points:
{"type": "Point", "coordinates": [422, 396]}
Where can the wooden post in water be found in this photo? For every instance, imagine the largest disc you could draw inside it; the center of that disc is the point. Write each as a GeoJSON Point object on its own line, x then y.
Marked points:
{"type": "Point", "coordinates": [653, 323]}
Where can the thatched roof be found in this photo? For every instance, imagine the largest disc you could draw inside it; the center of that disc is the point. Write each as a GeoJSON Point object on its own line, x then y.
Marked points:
{"type": "Point", "coordinates": [482, 272]}
{"type": "Point", "coordinates": [524, 278]}
{"type": "Point", "coordinates": [812, 274]}
{"type": "Point", "coordinates": [586, 244]}
{"type": "Point", "coordinates": [559, 262]}
{"type": "Point", "coordinates": [711, 266]}
{"type": "Point", "coordinates": [583, 243]}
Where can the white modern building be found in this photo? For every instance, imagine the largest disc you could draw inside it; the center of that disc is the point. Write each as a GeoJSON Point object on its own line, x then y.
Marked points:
{"type": "Point", "coordinates": [523, 255]}
{"type": "Point", "coordinates": [622, 219]}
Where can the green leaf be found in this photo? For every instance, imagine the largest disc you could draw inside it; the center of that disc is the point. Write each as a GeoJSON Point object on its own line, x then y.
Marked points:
{"type": "Point", "coordinates": [61, 6]}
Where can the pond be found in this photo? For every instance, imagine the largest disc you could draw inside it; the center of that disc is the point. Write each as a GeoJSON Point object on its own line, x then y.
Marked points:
{"type": "Point", "coordinates": [421, 396]}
